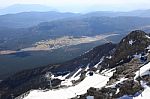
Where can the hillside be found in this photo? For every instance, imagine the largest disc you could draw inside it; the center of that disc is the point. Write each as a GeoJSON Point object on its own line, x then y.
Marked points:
{"type": "Point", "coordinates": [91, 25]}
{"type": "Point", "coordinates": [31, 18]}
{"type": "Point", "coordinates": [87, 26]}
{"type": "Point", "coordinates": [137, 13]}
{"type": "Point", "coordinates": [27, 15]}
{"type": "Point", "coordinates": [27, 82]}
{"type": "Point", "coordinates": [109, 70]}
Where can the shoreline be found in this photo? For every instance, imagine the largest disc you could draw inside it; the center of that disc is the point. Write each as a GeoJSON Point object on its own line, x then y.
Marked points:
{"type": "Point", "coordinates": [49, 45]}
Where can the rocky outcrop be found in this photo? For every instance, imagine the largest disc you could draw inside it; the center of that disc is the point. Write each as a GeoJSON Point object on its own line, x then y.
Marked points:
{"type": "Point", "coordinates": [125, 67]}
{"type": "Point", "coordinates": [134, 43]}
{"type": "Point", "coordinates": [128, 87]}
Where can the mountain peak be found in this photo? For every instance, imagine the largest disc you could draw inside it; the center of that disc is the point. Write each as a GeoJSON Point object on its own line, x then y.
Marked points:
{"type": "Point", "coordinates": [135, 39]}
{"type": "Point", "coordinates": [135, 35]}
{"type": "Point", "coordinates": [134, 43]}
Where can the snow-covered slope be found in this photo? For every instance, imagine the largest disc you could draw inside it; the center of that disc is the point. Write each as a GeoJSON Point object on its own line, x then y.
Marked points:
{"type": "Point", "coordinates": [145, 94]}
{"type": "Point", "coordinates": [96, 80]}
{"type": "Point", "coordinates": [144, 70]}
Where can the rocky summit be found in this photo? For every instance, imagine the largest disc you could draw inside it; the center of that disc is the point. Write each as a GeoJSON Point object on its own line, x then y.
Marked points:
{"type": "Point", "coordinates": [134, 43]}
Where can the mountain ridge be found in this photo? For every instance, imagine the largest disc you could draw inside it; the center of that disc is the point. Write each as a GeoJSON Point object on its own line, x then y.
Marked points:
{"type": "Point", "coordinates": [34, 78]}
{"type": "Point", "coordinates": [17, 8]}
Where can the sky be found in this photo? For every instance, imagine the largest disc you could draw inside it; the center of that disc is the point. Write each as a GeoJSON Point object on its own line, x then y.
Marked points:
{"type": "Point", "coordinates": [85, 5]}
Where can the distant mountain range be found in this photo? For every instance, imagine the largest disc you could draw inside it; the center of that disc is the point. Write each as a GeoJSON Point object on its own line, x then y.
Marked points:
{"type": "Point", "coordinates": [138, 13]}
{"type": "Point", "coordinates": [75, 26]}
{"type": "Point", "coordinates": [28, 15]}
{"type": "Point", "coordinates": [28, 19]}
{"type": "Point", "coordinates": [34, 25]}
{"type": "Point", "coordinates": [17, 8]}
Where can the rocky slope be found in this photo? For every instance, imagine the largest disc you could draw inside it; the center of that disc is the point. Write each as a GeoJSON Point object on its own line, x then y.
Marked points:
{"type": "Point", "coordinates": [34, 78]}
{"type": "Point", "coordinates": [115, 63]}
{"type": "Point", "coordinates": [134, 43]}
{"type": "Point", "coordinates": [127, 80]}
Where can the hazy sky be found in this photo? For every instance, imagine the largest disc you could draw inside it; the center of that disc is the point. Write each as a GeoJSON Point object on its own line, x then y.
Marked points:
{"type": "Point", "coordinates": [77, 5]}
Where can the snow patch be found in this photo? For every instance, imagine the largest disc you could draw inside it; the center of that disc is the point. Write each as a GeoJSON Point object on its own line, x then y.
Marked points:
{"type": "Point", "coordinates": [137, 56]}
{"type": "Point", "coordinates": [108, 72]}
{"type": "Point", "coordinates": [60, 77]}
{"type": "Point", "coordinates": [96, 81]}
{"type": "Point", "coordinates": [148, 47]}
{"type": "Point", "coordinates": [118, 82]}
{"type": "Point", "coordinates": [68, 82]}
{"type": "Point", "coordinates": [147, 36]}
{"type": "Point", "coordinates": [87, 68]}
{"type": "Point", "coordinates": [76, 73]}
{"type": "Point", "coordinates": [145, 70]}
{"type": "Point", "coordinates": [131, 42]}
{"type": "Point", "coordinates": [109, 57]}
{"type": "Point", "coordinates": [101, 60]}
{"type": "Point", "coordinates": [145, 94]}
{"type": "Point", "coordinates": [117, 91]}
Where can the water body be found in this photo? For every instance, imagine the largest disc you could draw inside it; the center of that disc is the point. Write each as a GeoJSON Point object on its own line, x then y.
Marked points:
{"type": "Point", "coordinates": [21, 54]}
{"type": "Point", "coordinates": [12, 63]}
